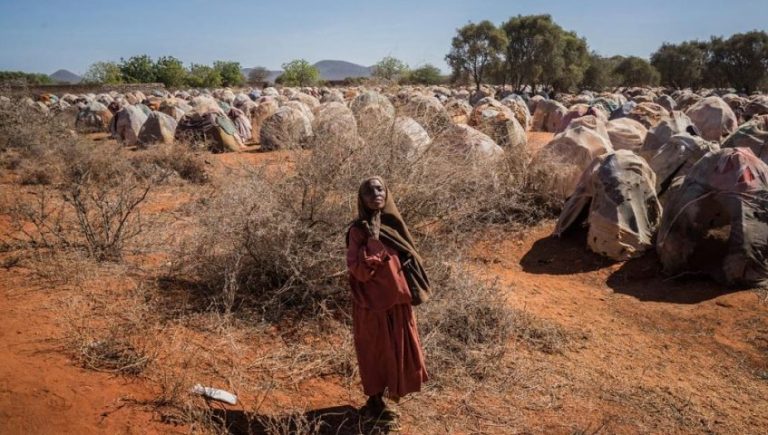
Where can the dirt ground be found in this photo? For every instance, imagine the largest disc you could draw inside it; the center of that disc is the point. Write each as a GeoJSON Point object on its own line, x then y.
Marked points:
{"type": "Point", "coordinates": [641, 353]}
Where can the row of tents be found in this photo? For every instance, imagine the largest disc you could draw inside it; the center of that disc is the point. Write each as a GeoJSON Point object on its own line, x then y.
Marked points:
{"type": "Point", "coordinates": [679, 171]}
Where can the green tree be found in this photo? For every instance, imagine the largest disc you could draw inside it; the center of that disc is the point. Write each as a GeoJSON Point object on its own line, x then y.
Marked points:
{"type": "Point", "coordinates": [170, 71]}
{"type": "Point", "coordinates": [599, 74]}
{"type": "Point", "coordinates": [138, 69]}
{"type": "Point", "coordinates": [22, 78]}
{"type": "Point", "coordinates": [258, 76]}
{"type": "Point", "coordinates": [299, 72]}
{"type": "Point", "coordinates": [390, 68]}
{"type": "Point", "coordinates": [474, 49]}
{"type": "Point", "coordinates": [576, 60]}
{"type": "Point", "coordinates": [635, 71]}
{"type": "Point", "coordinates": [534, 50]}
{"type": "Point", "coordinates": [203, 76]}
{"type": "Point", "coordinates": [230, 72]}
{"type": "Point", "coordinates": [425, 75]}
{"type": "Point", "coordinates": [745, 57]}
{"type": "Point", "coordinates": [103, 72]}
{"type": "Point", "coordinates": [680, 65]}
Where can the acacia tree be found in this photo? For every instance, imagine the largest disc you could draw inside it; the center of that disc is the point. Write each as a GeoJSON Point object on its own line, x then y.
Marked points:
{"type": "Point", "coordinates": [680, 65]}
{"type": "Point", "coordinates": [474, 48]}
{"type": "Point", "coordinates": [103, 72]}
{"type": "Point", "coordinates": [745, 59]}
{"type": "Point", "coordinates": [203, 76]}
{"type": "Point", "coordinates": [575, 57]}
{"type": "Point", "coordinates": [534, 49]}
{"type": "Point", "coordinates": [635, 71]}
{"type": "Point", "coordinates": [138, 69]}
{"type": "Point", "coordinates": [299, 72]}
{"type": "Point", "coordinates": [170, 71]}
{"type": "Point", "coordinates": [390, 68]}
{"type": "Point", "coordinates": [258, 75]}
{"type": "Point", "coordinates": [230, 72]}
{"type": "Point", "coordinates": [427, 74]}
{"type": "Point", "coordinates": [599, 73]}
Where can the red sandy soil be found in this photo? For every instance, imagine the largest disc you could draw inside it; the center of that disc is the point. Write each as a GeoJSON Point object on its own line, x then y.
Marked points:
{"type": "Point", "coordinates": [646, 347]}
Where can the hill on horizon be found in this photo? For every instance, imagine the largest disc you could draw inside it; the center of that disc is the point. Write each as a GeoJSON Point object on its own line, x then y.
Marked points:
{"type": "Point", "coordinates": [328, 69]}
{"type": "Point", "coordinates": [65, 76]}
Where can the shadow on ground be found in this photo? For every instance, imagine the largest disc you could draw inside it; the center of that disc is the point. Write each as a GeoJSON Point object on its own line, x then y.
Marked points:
{"type": "Point", "coordinates": [564, 255]}
{"type": "Point", "coordinates": [641, 278]}
{"type": "Point", "coordinates": [341, 420]}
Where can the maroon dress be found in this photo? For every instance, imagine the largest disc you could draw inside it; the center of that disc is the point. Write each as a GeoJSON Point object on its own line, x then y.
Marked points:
{"type": "Point", "coordinates": [386, 338]}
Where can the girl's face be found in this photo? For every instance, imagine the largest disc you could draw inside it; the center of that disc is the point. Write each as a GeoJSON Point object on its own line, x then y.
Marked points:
{"type": "Point", "coordinates": [374, 195]}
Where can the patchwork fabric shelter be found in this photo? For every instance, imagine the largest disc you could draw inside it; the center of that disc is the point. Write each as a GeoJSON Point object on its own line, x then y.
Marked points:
{"type": "Point", "coordinates": [717, 223]}
{"type": "Point", "coordinates": [564, 158]}
{"type": "Point", "coordinates": [617, 194]}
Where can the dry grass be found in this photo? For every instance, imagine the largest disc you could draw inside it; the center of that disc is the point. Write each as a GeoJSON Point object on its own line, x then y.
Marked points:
{"type": "Point", "coordinates": [260, 266]}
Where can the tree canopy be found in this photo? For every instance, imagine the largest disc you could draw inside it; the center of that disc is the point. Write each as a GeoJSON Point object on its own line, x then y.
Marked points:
{"type": "Point", "coordinates": [475, 49]}
{"type": "Point", "coordinates": [258, 75]}
{"type": "Point", "coordinates": [299, 72]}
{"type": "Point", "coordinates": [425, 75]}
{"type": "Point", "coordinates": [230, 72]}
{"type": "Point", "coordinates": [19, 77]}
{"type": "Point", "coordinates": [390, 68]}
{"type": "Point", "coordinates": [137, 69]}
{"type": "Point", "coordinates": [635, 71]}
{"type": "Point", "coordinates": [103, 73]}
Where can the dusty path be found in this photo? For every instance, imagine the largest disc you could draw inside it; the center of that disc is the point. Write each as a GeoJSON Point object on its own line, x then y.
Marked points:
{"type": "Point", "coordinates": [688, 351]}
{"type": "Point", "coordinates": [41, 391]}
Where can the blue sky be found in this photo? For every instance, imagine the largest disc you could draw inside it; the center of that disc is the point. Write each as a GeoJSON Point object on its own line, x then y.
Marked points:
{"type": "Point", "coordinates": [45, 35]}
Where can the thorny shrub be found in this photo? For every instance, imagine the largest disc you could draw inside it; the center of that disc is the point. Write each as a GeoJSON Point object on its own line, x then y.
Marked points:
{"type": "Point", "coordinates": [276, 242]}
{"type": "Point", "coordinates": [93, 204]}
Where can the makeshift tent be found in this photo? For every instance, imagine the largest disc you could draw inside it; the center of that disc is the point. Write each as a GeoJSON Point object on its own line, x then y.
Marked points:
{"type": "Point", "coordinates": [500, 123]}
{"type": "Point", "coordinates": [648, 114]}
{"type": "Point", "coordinates": [520, 109]}
{"type": "Point", "coordinates": [753, 135]}
{"type": "Point", "coordinates": [757, 105]}
{"type": "Point", "coordinates": [465, 141]}
{"type": "Point", "coordinates": [266, 107]}
{"type": "Point", "coordinates": [717, 222]}
{"type": "Point", "coordinates": [334, 125]}
{"type": "Point", "coordinates": [626, 134]}
{"type": "Point", "coordinates": [713, 117]}
{"type": "Point", "coordinates": [242, 123]}
{"type": "Point", "coordinates": [548, 116]}
{"type": "Point", "coordinates": [427, 111]}
{"type": "Point", "coordinates": [126, 124]}
{"type": "Point", "coordinates": [94, 117]}
{"type": "Point", "coordinates": [212, 129]}
{"type": "Point", "coordinates": [675, 160]}
{"type": "Point", "coordinates": [458, 110]}
{"type": "Point", "coordinates": [374, 114]}
{"type": "Point", "coordinates": [410, 137]}
{"type": "Point", "coordinates": [577, 111]}
{"type": "Point", "coordinates": [289, 127]}
{"type": "Point", "coordinates": [676, 123]}
{"type": "Point", "coordinates": [617, 192]}
{"type": "Point", "coordinates": [564, 158]}
{"type": "Point", "coordinates": [159, 128]}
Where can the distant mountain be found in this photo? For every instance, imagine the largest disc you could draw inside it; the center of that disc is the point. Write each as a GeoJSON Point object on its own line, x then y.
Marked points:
{"type": "Point", "coordinates": [339, 70]}
{"type": "Point", "coordinates": [329, 70]}
{"type": "Point", "coordinates": [64, 76]}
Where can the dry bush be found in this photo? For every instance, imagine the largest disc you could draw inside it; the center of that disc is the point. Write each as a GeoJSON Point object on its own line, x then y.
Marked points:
{"type": "Point", "coordinates": [29, 131]}
{"type": "Point", "coordinates": [274, 244]}
{"type": "Point", "coordinates": [113, 354]}
{"type": "Point", "coordinates": [34, 175]}
{"type": "Point", "coordinates": [178, 158]}
{"type": "Point", "coordinates": [93, 205]}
